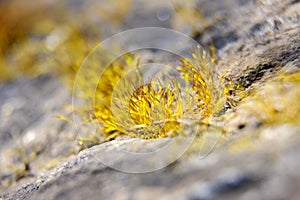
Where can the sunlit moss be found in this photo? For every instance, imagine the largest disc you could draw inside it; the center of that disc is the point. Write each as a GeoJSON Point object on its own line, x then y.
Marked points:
{"type": "Point", "coordinates": [156, 108]}
{"type": "Point", "coordinates": [60, 45]}
{"type": "Point", "coordinates": [276, 102]}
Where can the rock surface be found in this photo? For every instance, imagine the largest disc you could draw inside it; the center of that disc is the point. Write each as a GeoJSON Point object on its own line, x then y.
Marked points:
{"type": "Point", "coordinates": [254, 160]}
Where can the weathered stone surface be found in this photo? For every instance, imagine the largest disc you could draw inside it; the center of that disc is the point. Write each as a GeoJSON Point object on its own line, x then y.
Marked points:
{"type": "Point", "coordinates": [267, 170]}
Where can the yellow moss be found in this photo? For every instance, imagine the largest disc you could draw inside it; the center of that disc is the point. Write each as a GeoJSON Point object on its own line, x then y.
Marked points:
{"type": "Point", "coordinates": [277, 101]}
{"type": "Point", "coordinates": [156, 108]}
{"type": "Point", "coordinates": [153, 107]}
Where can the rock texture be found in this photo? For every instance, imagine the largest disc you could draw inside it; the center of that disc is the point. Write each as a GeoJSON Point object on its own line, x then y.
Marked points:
{"type": "Point", "coordinates": [254, 160]}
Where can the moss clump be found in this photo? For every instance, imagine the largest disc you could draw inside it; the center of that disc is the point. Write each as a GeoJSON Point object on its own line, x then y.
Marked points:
{"type": "Point", "coordinates": [155, 108]}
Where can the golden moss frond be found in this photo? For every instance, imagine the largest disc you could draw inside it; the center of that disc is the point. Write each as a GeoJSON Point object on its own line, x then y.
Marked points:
{"type": "Point", "coordinates": [126, 103]}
